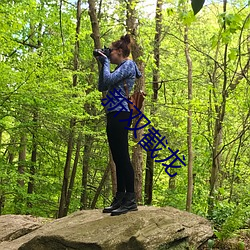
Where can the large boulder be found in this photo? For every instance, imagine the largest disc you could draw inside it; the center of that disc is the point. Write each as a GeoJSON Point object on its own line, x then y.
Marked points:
{"type": "Point", "coordinates": [148, 228]}
{"type": "Point", "coordinates": [15, 226]}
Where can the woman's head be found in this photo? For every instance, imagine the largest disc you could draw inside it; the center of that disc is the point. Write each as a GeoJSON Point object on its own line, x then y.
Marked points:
{"type": "Point", "coordinates": [120, 49]}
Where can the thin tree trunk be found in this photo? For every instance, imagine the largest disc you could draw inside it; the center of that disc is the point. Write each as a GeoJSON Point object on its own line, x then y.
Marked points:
{"type": "Point", "coordinates": [2, 197]}
{"type": "Point", "coordinates": [137, 52]}
{"type": "Point", "coordinates": [73, 174]}
{"type": "Point", "coordinates": [95, 24]}
{"type": "Point", "coordinates": [32, 168]}
{"type": "Point", "coordinates": [11, 155]}
{"type": "Point", "coordinates": [34, 144]}
{"type": "Point", "coordinates": [97, 44]}
{"type": "Point", "coordinates": [78, 144]}
{"type": "Point", "coordinates": [217, 142]}
{"type": "Point", "coordinates": [148, 190]}
{"type": "Point", "coordinates": [19, 199]}
{"type": "Point", "coordinates": [64, 191]}
{"type": "Point", "coordinates": [189, 125]}
{"type": "Point", "coordinates": [2, 201]}
{"type": "Point", "coordinates": [234, 166]}
{"type": "Point", "coordinates": [21, 159]}
{"type": "Point", "coordinates": [33, 157]}
{"type": "Point", "coordinates": [211, 129]}
{"type": "Point", "coordinates": [77, 43]}
{"type": "Point", "coordinates": [66, 170]}
{"type": "Point", "coordinates": [98, 191]}
{"type": "Point", "coordinates": [88, 139]}
{"type": "Point", "coordinates": [172, 182]}
{"type": "Point", "coordinates": [85, 170]}
{"type": "Point", "coordinates": [113, 173]}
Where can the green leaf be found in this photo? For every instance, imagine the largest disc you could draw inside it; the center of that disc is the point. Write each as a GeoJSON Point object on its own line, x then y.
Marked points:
{"type": "Point", "coordinates": [218, 235]}
{"type": "Point", "coordinates": [197, 5]}
{"type": "Point", "coordinates": [233, 54]}
{"type": "Point", "coordinates": [210, 243]}
{"type": "Point", "coordinates": [226, 36]}
{"type": "Point", "coordinates": [188, 17]}
{"type": "Point", "coordinates": [170, 11]}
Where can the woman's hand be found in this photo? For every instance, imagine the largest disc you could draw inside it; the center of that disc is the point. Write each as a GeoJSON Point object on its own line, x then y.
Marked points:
{"type": "Point", "coordinates": [101, 58]}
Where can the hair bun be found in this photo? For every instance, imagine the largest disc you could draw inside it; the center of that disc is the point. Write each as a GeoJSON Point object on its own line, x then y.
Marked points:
{"type": "Point", "coordinates": [126, 39]}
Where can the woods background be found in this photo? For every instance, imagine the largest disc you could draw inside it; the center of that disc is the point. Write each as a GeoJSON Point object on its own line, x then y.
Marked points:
{"type": "Point", "coordinates": [54, 155]}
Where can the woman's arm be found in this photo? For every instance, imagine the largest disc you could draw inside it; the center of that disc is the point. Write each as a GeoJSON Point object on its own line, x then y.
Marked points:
{"type": "Point", "coordinates": [101, 86]}
{"type": "Point", "coordinates": [123, 72]}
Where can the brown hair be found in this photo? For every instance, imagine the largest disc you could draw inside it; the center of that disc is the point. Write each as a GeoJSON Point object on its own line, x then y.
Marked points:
{"type": "Point", "coordinates": [124, 44]}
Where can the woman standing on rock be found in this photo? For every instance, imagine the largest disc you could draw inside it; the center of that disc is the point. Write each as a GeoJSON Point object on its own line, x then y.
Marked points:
{"type": "Point", "coordinates": [125, 72]}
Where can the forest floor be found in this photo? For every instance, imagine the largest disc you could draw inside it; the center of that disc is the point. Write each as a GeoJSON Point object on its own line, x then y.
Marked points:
{"type": "Point", "coordinates": [232, 243]}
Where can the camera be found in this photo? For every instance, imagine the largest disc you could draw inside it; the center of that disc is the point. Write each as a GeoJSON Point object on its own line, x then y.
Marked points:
{"type": "Point", "coordinates": [106, 51]}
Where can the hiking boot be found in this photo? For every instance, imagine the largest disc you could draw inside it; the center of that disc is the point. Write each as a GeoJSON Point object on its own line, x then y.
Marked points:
{"type": "Point", "coordinates": [128, 204]}
{"type": "Point", "coordinates": [116, 203]}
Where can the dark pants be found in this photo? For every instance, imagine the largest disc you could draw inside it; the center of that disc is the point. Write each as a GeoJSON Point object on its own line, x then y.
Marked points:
{"type": "Point", "coordinates": [118, 142]}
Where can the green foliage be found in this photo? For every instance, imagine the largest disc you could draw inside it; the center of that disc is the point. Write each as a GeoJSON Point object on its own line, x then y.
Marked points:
{"type": "Point", "coordinates": [210, 244]}
{"type": "Point", "coordinates": [222, 211]}
{"type": "Point", "coordinates": [233, 222]}
{"type": "Point", "coordinates": [38, 80]}
{"type": "Point", "coordinates": [241, 245]}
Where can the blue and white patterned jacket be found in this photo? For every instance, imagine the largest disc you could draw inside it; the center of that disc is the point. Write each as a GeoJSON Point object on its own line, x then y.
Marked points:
{"type": "Point", "coordinates": [128, 71]}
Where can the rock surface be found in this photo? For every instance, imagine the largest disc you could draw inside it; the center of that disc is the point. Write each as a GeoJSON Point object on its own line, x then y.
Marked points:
{"type": "Point", "coordinates": [15, 226]}
{"type": "Point", "coordinates": [148, 228]}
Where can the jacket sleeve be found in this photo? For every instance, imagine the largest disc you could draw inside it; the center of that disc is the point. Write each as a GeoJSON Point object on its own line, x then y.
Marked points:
{"type": "Point", "coordinates": [101, 86]}
{"type": "Point", "coordinates": [122, 72]}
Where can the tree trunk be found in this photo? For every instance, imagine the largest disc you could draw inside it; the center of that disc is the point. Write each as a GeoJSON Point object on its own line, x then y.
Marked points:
{"type": "Point", "coordinates": [73, 174]}
{"type": "Point", "coordinates": [189, 125]}
{"type": "Point", "coordinates": [19, 199]}
{"type": "Point", "coordinates": [35, 112]}
{"type": "Point", "coordinates": [94, 24]}
{"type": "Point", "coordinates": [21, 159]}
{"type": "Point", "coordinates": [11, 155]}
{"type": "Point", "coordinates": [66, 170]}
{"type": "Point", "coordinates": [217, 142]}
{"type": "Point", "coordinates": [85, 170]}
{"type": "Point", "coordinates": [113, 173]}
{"type": "Point", "coordinates": [33, 157]}
{"type": "Point", "coordinates": [64, 191]}
{"type": "Point", "coordinates": [157, 41]}
{"type": "Point", "coordinates": [137, 52]}
{"type": "Point", "coordinates": [97, 44]}
{"type": "Point", "coordinates": [172, 180]}
{"type": "Point", "coordinates": [2, 200]}
{"type": "Point", "coordinates": [98, 191]}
